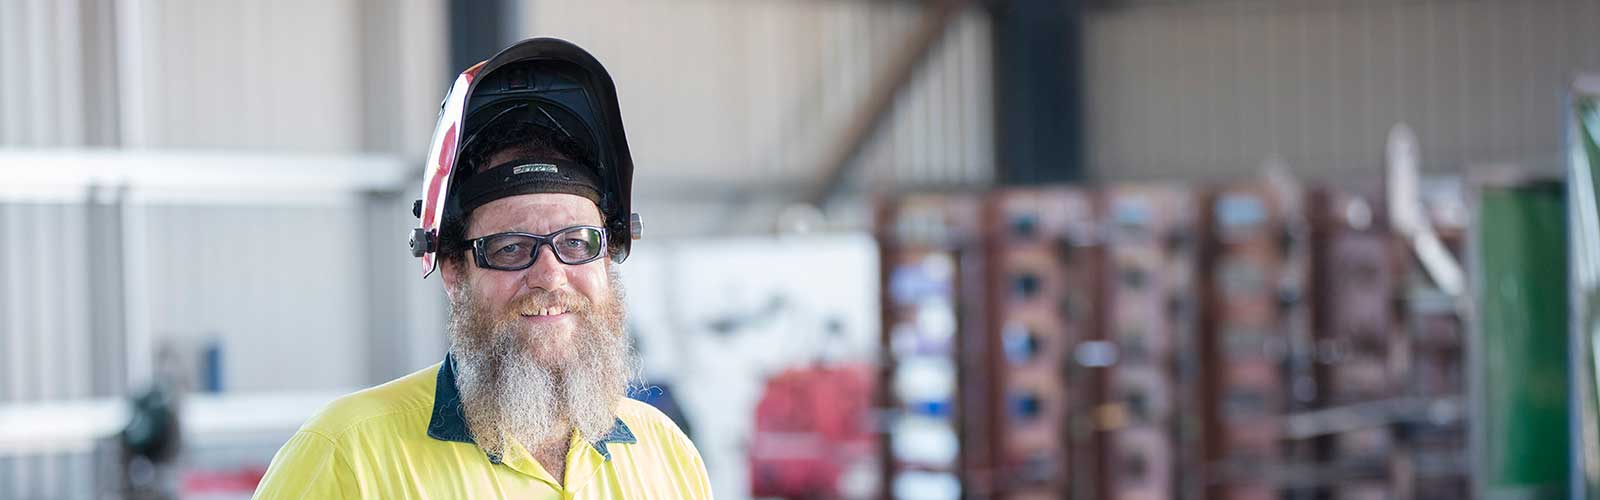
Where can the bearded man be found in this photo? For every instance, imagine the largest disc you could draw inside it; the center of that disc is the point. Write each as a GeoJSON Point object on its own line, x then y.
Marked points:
{"type": "Point", "coordinates": [529, 402]}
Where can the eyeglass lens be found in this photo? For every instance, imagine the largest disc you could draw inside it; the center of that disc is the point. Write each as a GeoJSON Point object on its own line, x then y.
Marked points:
{"type": "Point", "coordinates": [572, 246]}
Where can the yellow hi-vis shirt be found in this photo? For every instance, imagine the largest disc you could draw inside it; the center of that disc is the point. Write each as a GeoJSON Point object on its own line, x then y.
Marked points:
{"type": "Point", "coordinates": [407, 439]}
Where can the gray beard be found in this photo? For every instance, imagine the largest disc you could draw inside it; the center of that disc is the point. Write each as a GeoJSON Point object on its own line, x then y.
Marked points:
{"type": "Point", "coordinates": [508, 394]}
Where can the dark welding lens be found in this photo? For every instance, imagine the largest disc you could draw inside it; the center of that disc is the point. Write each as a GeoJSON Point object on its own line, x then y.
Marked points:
{"type": "Point", "coordinates": [508, 251]}
{"type": "Point", "coordinates": [578, 245]}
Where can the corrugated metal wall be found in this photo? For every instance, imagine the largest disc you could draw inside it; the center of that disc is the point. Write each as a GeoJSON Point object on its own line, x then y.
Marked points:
{"type": "Point", "coordinates": [731, 105]}
{"type": "Point", "coordinates": [941, 133]}
{"type": "Point", "coordinates": [92, 293]}
{"type": "Point", "coordinates": [276, 286]}
{"type": "Point", "coordinates": [92, 283]}
{"type": "Point", "coordinates": [55, 55]}
{"type": "Point", "coordinates": [1199, 89]}
{"type": "Point", "coordinates": [279, 287]}
{"type": "Point", "coordinates": [303, 75]}
{"type": "Point", "coordinates": [251, 74]}
{"type": "Point", "coordinates": [47, 347]}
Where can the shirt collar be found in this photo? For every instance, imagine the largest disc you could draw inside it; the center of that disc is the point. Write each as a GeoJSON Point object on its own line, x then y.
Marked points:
{"type": "Point", "coordinates": [449, 423]}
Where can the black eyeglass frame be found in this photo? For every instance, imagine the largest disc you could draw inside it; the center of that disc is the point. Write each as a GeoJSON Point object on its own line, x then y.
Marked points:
{"type": "Point", "coordinates": [539, 242]}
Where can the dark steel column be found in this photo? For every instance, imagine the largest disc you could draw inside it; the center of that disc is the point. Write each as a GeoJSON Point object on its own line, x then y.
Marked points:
{"type": "Point", "coordinates": [478, 29]}
{"type": "Point", "coordinates": [1038, 88]}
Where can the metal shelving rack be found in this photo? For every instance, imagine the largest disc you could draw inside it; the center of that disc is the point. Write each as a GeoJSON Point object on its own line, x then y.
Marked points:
{"type": "Point", "coordinates": [929, 256]}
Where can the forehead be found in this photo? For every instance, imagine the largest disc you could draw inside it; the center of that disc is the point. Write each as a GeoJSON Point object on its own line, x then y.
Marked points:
{"type": "Point", "coordinates": [534, 213]}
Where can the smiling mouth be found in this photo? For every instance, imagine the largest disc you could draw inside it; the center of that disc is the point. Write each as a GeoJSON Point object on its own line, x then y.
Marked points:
{"type": "Point", "coordinates": [545, 312]}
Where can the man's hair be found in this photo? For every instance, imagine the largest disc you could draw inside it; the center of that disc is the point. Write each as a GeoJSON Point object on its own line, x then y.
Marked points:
{"type": "Point", "coordinates": [523, 140]}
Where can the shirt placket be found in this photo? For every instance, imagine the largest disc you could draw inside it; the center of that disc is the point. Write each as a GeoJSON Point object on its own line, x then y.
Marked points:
{"type": "Point", "coordinates": [518, 459]}
{"type": "Point", "coordinates": [583, 463]}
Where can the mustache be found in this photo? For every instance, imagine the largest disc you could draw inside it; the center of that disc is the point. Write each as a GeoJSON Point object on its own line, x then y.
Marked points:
{"type": "Point", "coordinates": [538, 299]}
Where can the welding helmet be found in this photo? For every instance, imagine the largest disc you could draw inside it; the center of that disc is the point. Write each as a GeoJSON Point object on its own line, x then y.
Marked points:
{"type": "Point", "coordinates": [543, 82]}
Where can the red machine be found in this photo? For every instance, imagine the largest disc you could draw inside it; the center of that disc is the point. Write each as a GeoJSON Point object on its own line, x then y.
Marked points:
{"type": "Point", "coordinates": [813, 429]}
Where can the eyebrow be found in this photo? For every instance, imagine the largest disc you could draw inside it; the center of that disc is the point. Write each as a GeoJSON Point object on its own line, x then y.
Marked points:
{"type": "Point", "coordinates": [521, 226]}
{"type": "Point", "coordinates": [524, 229]}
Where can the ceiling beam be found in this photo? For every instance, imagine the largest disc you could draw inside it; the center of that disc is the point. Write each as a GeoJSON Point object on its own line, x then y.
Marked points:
{"type": "Point", "coordinates": [842, 158]}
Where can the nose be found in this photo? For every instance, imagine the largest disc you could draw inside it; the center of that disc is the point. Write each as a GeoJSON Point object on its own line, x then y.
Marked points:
{"type": "Point", "coordinates": [546, 272]}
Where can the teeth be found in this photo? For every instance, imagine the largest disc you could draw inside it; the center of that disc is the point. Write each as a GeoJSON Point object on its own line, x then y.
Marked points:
{"type": "Point", "coordinates": [548, 311]}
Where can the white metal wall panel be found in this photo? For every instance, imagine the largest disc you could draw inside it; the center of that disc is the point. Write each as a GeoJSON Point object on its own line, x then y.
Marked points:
{"type": "Point", "coordinates": [279, 287]}
{"type": "Point", "coordinates": [941, 132]}
{"type": "Point", "coordinates": [752, 93]}
{"type": "Point", "coordinates": [403, 74]}
{"type": "Point", "coordinates": [279, 277]}
{"type": "Point", "coordinates": [44, 334]}
{"type": "Point", "coordinates": [1201, 89]}
{"type": "Point", "coordinates": [307, 75]}
{"type": "Point", "coordinates": [42, 89]}
{"type": "Point", "coordinates": [341, 76]}
{"type": "Point", "coordinates": [272, 75]}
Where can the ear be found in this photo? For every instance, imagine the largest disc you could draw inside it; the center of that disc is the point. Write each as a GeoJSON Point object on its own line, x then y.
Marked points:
{"type": "Point", "coordinates": [451, 272]}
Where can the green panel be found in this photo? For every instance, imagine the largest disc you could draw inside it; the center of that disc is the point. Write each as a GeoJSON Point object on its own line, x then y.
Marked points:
{"type": "Point", "coordinates": [1522, 336]}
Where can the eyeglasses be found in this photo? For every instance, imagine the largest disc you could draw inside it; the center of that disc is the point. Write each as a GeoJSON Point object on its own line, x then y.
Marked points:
{"type": "Point", "coordinates": [516, 251]}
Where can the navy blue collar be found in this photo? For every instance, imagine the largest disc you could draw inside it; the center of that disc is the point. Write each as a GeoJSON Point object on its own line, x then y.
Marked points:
{"type": "Point", "coordinates": [450, 424]}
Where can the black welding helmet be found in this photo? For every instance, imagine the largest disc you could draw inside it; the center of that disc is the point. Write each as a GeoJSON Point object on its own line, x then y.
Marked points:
{"type": "Point", "coordinates": [544, 82]}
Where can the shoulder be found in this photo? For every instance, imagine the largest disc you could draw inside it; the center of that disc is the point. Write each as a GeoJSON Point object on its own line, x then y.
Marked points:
{"type": "Point", "coordinates": [406, 396]}
{"type": "Point", "coordinates": [653, 428]}
{"type": "Point", "coordinates": [639, 410]}
{"type": "Point", "coordinates": [672, 456]}
{"type": "Point", "coordinates": [640, 416]}
{"type": "Point", "coordinates": [319, 460]}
